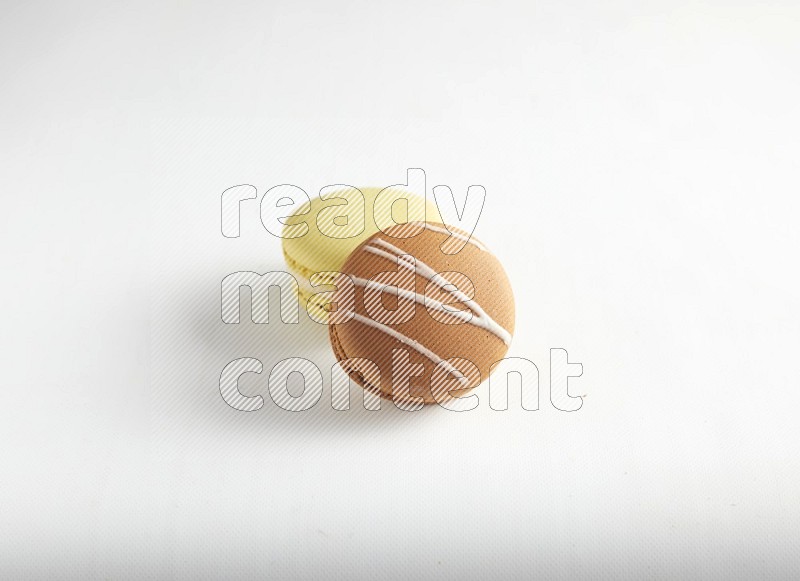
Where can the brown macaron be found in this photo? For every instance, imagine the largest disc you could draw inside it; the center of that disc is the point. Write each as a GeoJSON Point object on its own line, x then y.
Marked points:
{"type": "Point", "coordinates": [413, 323]}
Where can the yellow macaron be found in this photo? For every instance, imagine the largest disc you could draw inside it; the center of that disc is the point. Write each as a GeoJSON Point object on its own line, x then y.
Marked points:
{"type": "Point", "coordinates": [338, 222]}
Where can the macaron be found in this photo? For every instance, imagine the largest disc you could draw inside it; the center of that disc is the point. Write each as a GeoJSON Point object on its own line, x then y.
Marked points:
{"type": "Point", "coordinates": [415, 324]}
{"type": "Point", "coordinates": [340, 223]}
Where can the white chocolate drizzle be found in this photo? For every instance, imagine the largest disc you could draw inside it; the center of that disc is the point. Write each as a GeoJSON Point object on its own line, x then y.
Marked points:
{"type": "Point", "coordinates": [479, 317]}
{"type": "Point", "coordinates": [428, 302]}
{"type": "Point", "coordinates": [416, 345]}
{"type": "Point", "coordinates": [443, 230]}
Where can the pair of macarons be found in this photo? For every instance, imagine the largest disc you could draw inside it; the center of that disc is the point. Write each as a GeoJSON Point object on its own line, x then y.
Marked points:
{"type": "Point", "coordinates": [409, 319]}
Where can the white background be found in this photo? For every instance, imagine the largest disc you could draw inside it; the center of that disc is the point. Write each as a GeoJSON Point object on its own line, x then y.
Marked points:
{"type": "Point", "coordinates": [640, 161]}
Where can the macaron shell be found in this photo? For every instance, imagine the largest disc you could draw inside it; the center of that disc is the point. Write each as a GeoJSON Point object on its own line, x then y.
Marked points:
{"type": "Point", "coordinates": [438, 334]}
{"type": "Point", "coordinates": [317, 252]}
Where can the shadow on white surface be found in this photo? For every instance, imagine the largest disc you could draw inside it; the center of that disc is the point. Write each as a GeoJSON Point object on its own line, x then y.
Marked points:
{"type": "Point", "coordinates": [191, 346]}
